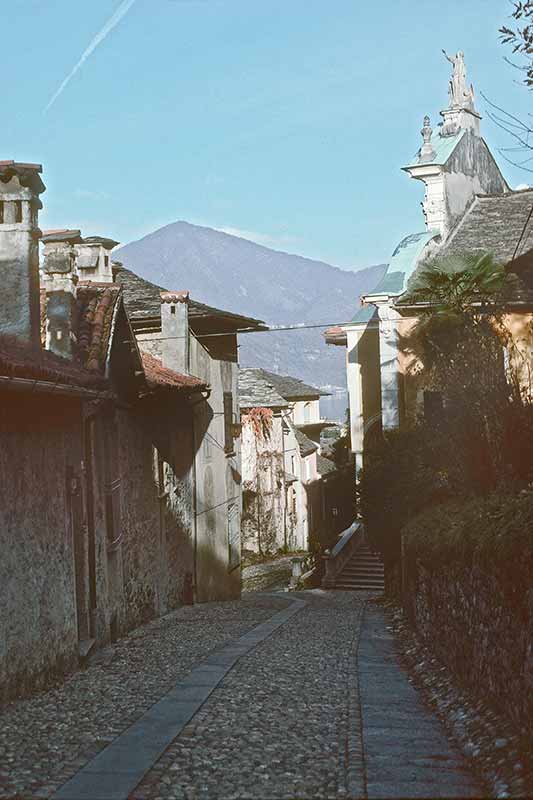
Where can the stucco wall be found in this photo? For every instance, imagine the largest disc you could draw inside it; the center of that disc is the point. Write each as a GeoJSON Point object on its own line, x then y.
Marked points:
{"type": "Point", "coordinates": [40, 438]}
{"type": "Point", "coordinates": [364, 385]}
{"type": "Point", "coordinates": [470, 170]}
{"type": "Point", "coordinates": [155, 446]}
{"type": "Point", "coordinates": [218, 473]}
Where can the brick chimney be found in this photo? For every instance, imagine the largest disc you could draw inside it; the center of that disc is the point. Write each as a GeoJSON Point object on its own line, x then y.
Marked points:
{"type": "Point", "coordinates": [20, 187]}
{"type": "Point", "coordinates": [175, 331]}
{"type": "Point", "coordinates": [94, 259]}
{"type": "Point", "coordinates": [60, 279]}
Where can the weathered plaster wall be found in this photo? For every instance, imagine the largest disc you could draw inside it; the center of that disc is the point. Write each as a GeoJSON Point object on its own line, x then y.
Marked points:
{"type": "Point", "coordinates": [156, 449]}
{"type": "Point", "coordinates": [471, 617]}
{"type": "Point", "coordinates": [263, 483]}
{"type": "Point", "coordinates": [40, 438]}
{"type": "Point", "coordinates": [218, 474]}
{"type": "Point", "coordinates": [470, 170]}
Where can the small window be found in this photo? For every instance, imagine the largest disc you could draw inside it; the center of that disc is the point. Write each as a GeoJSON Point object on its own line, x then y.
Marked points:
{"type": "Point", "coordinates": [228, 422]}
{"type": "Point", "coordinates": [18, 210]}
{"type": "Point", "coordinates": [1, 211]}
{"type": "Point", "coordinates": [234, 537]}
{"type": "Point", "coordinates": [106, 261]}
{"type": "Point", "coordinates": [173, 309]}
{"type": "Point", "coordinates": [307, 412]}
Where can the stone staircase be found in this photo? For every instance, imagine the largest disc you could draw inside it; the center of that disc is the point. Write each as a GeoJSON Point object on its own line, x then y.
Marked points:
{"type": "Point", "coordinates": [363, 572]}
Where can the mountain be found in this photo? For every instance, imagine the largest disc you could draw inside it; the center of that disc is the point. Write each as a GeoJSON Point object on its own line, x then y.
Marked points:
{"type": "Point", "coordinates": [282, 289]}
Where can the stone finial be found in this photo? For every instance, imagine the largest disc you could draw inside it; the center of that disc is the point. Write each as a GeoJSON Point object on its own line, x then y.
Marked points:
{"type": "Point", "coordinates": [427, 153]}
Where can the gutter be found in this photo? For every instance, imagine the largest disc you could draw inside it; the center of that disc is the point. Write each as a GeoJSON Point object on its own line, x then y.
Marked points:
{"type": "Point", "coordinates": [45, 387]}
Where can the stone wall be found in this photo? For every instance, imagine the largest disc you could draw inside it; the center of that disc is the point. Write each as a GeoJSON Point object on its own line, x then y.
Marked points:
{"type": "Point", "coordinates": [40, 455]}
{"type": "Point", "coordinates": [477, 618]}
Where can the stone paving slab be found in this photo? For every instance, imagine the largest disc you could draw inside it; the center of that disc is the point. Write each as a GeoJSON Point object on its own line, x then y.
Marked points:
{"type": "Point", "coordinates": [405, 754]}
{"type": "Point", "coordinates": [115, 772]}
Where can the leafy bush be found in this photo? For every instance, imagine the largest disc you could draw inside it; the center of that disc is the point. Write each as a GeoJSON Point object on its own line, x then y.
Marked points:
{"type": "Point", "coordinates": [496, 530]}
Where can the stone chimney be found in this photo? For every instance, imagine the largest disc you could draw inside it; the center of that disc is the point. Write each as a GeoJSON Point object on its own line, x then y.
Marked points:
{"type": "Point", "coordinates": [60, 281]}
{"type": "Point", "coordinates": [20, 187]}
{"type": "Point", "coordinates": [94, 259]}
{"type": "Point", "coordinates": [175, 331]}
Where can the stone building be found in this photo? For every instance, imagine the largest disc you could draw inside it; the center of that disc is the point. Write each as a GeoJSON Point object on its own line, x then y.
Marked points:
{"type": "Point", "coordinates": [119, 468]}
{"type": "Point", "coordinates": [266, 520]}
{"type": "Point", "coordinates": [196, 339]}
{"type": "Point", "coordinates": [468, 207]}
{"type": "Point", "coordinates": [290, 497]}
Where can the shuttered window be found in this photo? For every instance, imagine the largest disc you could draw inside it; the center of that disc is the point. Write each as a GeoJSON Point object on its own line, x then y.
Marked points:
{"type": "Point", "coordinates": [228, 422]}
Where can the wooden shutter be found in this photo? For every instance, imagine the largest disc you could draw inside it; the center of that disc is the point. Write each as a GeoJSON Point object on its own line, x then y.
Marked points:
{"type": "Point", "coordinates": [228, 422]}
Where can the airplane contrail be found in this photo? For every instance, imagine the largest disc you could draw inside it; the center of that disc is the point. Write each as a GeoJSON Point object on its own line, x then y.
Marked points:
{"type": "Point", "coordinates": [121, 11]}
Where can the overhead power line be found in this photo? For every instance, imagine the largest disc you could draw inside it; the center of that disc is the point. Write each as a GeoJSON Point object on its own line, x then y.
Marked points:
{"type": "Point", "coordinates": [281, 328]}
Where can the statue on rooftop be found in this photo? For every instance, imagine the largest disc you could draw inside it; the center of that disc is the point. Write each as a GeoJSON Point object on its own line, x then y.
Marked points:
{"type": "Point", "coordinates": [460, 96]}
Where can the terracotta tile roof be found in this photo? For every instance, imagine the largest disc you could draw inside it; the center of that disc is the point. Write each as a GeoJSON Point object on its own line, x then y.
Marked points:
{"type": "Point", "coordinates": [20, 361]}
{"type": "Point", "coordinates": [160, 377]}
{"type": "Point", "coordinates": [95, 306]}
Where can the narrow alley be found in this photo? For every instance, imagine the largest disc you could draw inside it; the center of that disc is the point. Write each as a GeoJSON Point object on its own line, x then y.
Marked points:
{"type": "Point", "coordinates": [274, 696]}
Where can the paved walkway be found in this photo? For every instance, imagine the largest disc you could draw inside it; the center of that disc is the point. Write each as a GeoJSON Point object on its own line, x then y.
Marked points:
{"type": "Point", "coordinates": [309, 703]}
{"type": "Point", "coordinates": [405, 749]}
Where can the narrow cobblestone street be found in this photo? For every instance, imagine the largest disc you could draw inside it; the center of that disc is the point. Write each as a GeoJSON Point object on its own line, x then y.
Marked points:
{"type": "Point", "coordinates": [275, 696]}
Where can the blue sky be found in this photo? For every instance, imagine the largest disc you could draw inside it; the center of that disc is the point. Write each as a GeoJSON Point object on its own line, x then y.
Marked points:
{"type": "Point", "coordinates": [286, 120]}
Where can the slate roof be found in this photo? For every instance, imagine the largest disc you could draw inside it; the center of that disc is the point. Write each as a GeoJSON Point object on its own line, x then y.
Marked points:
{"type": "Point", "coordinates": [160, 377]}
{"type": "Point", "coordinates": [305, 444]}
{"type": "Point", "coordinates": [255, 391]}
{"type": "Point", "coordinates": [493, 223]}
{"type": "Point", "coordinates": [292, 388]}
{"type": "Point", "coordinates": [143, 301]}
{"type": "Point", "coordinates": [324, 465]}
{"type": "Point", "coordinates": [20, 361]}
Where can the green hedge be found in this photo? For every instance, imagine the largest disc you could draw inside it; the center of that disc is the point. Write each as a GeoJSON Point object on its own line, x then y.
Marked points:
{"type": "Point", "coordinates": [496, 531]}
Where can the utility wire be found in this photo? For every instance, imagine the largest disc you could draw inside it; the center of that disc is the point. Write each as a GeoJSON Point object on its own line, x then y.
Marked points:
{"type": "Point", "coordinates": [261, 330]}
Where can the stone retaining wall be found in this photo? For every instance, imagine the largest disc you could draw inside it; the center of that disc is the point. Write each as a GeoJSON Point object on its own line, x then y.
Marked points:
{"type": "Point", "coordinates": [478, 621]}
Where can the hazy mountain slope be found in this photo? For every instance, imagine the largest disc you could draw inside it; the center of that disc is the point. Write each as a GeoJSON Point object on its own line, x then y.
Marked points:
{"type": "Point", "coordinates": [247, 278]}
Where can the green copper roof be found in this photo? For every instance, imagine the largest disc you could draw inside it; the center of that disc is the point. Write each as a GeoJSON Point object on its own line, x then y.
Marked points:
{"type": "Point", "coordinates": [403, 263]}
{"type": "Point", "coordinates": [365, 314]}
{"type": "Point", "coordinates": [443, 147]}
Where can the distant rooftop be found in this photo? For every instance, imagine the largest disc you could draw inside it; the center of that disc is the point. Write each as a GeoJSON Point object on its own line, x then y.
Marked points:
{"type": "Point", "coordinates": [292, 388]}
{"type": "Point", "coordinates": [256, 391]}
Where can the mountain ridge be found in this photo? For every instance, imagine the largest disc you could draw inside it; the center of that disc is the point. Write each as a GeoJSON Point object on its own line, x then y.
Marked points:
{"type": "Point", "coordinates": [236, 274]}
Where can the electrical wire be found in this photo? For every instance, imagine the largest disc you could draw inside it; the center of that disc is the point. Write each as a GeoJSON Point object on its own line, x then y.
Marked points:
{"type": "Point", "coordinates": [281, 328]}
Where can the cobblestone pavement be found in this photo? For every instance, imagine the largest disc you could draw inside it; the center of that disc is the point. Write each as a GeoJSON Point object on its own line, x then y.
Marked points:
{"type": "Point", "coordinates": [277, 727]}
{"type": "Point", "coordinates": [321, 708]}
{"type": "Point", "coordinates": [46, 739]}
